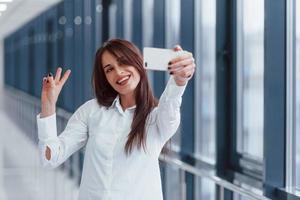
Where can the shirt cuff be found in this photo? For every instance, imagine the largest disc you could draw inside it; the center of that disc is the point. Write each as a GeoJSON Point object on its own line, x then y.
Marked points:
{"type": "Point", "coordinates": [46, 127]}
{"type": "Point", "coordinates": [173, 90]}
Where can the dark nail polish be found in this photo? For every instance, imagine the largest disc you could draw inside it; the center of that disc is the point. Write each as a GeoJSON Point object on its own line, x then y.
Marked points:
{"type": "Point", "coordinates": [189, 76]}
{"type": "Point", "coordinates": [170, 63]}
{"type": "Point", "coordinates": [169, 67]}
{"type": "Point", "coordinates": [50, 74]}
{"type": "Point", "coordinates": [47, 81]}
{"type": "Point", "coordinates": [171, 73]}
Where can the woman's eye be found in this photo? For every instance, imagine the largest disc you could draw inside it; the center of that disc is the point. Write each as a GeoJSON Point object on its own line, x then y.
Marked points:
{"type": "Point", "coordinates": [108, 70]}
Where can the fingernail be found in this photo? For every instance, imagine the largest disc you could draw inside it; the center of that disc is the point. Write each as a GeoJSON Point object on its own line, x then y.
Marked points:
{"type": "Point", "coordinates": [50, 74]}
{"type": "Point", "coordinates": [189, 76]}
{"type": "Point", "coordinates": [170, 63]}
{"type": "Point", "coordinates": [171, 73]}
{"type": "Point", "coordinates": [169, 67]}
{"type": "Point", "coordinates": [47, 81]}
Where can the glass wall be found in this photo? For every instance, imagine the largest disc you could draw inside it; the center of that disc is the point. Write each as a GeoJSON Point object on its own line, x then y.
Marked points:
{"type": "Point", "coordinates": [293, 97]}
{"type": "Point", "coordinates": [205, 78]}
{"type": "Point", "coordinates": [172, 183]}
{"type": "Point", "coordinates": [205, 189]}
{"type": "Point", "coordinates": [250, 74]}
{"type": "Point", "coordinates": [297, 74]}
{"type": "Point", "coordinates": [172, 37]}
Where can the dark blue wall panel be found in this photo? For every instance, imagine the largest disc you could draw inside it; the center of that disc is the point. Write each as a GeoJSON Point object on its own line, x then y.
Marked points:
{"type": "Point", "coordinates": [78, 52]}
{"type": "Point", "coordinates": [120, 18]}
{"type": "Point", "coordinates": [40, 52]}
{"type": "Point", "coordinates": [88, 48]}
{"type": "Point", "coordinates": [188, 114]}
{"type": "Point", "coordinates": [137, 23]}
{"type": "Point", "coordinates": [61, 20]}
{"type": "Point", "coordinates": [69, 88]}
{"type": "Point", "coordinates": [159, 41]}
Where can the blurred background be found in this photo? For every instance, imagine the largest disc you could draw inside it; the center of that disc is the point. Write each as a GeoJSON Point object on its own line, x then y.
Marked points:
{"type": "Point", "coordinates": [239, 136]}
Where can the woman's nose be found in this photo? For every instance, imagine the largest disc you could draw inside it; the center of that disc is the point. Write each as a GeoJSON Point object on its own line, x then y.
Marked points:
{"type": "Point", "coordinates": [119, 70]}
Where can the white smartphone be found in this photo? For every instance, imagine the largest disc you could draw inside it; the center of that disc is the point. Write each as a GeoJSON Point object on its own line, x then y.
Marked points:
{"type": "Point", "coordinates": [158, 58]}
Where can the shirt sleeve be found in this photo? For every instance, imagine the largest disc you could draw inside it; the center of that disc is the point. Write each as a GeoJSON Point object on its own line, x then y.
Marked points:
{"type": "Point", "coordinates": [168, 110]}
{"type": "Point", "coordinates": [69, 141]}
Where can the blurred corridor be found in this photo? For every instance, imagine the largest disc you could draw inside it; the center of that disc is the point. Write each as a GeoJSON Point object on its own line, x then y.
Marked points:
{"type": "Point", "coordinates": [21, 174]}
{"type": "Point", "coordinates": [239, 137]}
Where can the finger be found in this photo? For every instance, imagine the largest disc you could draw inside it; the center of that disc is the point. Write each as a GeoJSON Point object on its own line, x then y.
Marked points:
{"type": "Point", "coordinates": [184, 72]}
{"type": "Point", "coordinates": [192, 65]}
{"type": "Point", "coordinates": [44, 81]}
{"type": "Point", "coordinates": [65, 77]}
{"type": "Point", "coordinates": [58, 75]}
{"type": "Point", "coordinates": [181, 57]}
{"type": "Point", "coordinates": [177, 48]}
{"type": "Point", "coordinates": [50, 79]}
{"type": "Point", "coordinates": [181, 63]}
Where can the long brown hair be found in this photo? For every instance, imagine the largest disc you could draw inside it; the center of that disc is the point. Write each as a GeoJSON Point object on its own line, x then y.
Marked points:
{"type": "Point", "coordinates": [144, 97]}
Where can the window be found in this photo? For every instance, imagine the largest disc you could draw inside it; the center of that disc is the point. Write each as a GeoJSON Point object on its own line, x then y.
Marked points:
{"type": "Point", "coordinates": [293, 96]}
{"type": "Point", "coordinates": [205, 80]}
{"type": "Point", "coordinates": [172, 183]}
{"type": "Point", "coordinates": [128, 19]}
{"type": "Point", "coordinates": [297, 94]}
{"type": "Point", "coordinates": [172, 37]}
{"type": "Point", "coordinates": [250, 74]}
{"type": "Point", "coordinates": [112, 20]}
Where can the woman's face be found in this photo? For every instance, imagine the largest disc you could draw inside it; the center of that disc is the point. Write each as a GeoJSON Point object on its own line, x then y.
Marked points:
{"type": "Point", "coordinates": [123, 78]}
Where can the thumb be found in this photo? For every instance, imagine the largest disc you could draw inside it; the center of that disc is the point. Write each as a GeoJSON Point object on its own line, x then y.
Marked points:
{"type": "Point", "coordinates": [177, 48]}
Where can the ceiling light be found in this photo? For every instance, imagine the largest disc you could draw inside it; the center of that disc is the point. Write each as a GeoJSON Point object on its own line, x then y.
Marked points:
{"type": "Point", "coordinates": [3, 7]}
{"type": "Point", "coordinates": [2, 1]}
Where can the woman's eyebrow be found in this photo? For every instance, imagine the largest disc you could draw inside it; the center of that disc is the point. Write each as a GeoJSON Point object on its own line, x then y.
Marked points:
{"type": "Point", "coordinates": [106, 66]}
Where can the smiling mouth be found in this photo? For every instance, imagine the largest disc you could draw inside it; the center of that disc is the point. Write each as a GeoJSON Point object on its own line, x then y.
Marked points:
{"type": "Point", "coordinates": [123, 80]}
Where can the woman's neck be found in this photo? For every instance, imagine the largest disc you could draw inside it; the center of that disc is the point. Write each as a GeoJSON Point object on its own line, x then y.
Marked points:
{"type": "Point", "coordinates": [127, 100]}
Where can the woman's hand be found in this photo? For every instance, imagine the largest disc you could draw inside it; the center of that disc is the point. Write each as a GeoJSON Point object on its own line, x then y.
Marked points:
{"type": "Point", "coordinates": [50, 91]}
{"type": "Point", "coordinates": [182, 67]}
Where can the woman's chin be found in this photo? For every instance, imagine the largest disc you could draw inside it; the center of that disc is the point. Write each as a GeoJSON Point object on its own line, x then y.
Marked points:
{"type": "Point", "coordinates": [126, 90]}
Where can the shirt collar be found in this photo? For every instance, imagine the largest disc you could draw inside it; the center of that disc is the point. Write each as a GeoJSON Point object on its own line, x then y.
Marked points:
{"type": "Point", "coordinates": [116, 104]}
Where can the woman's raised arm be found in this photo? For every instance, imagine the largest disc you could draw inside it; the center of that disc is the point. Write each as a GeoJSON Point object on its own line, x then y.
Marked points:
{"type": "Point", "coordinates": [168, 112]}
{"type": "Point", "coordinates": [56, 149]}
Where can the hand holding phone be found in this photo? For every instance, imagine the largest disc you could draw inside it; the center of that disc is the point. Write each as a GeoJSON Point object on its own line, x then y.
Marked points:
{"type": "Point", "coordinates": [158, 58]}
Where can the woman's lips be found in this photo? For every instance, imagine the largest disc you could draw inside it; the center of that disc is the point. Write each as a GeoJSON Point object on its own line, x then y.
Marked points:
{"type": "Point", "coordinates": [124, 80]}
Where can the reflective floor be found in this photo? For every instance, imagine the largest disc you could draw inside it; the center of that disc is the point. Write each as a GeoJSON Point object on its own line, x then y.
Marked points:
{"type": "Point", "coordinates": [21, 174]}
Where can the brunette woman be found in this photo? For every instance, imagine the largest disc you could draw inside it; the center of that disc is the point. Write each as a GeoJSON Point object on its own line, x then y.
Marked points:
{"type": "Point", "coordinates": [123, 129]}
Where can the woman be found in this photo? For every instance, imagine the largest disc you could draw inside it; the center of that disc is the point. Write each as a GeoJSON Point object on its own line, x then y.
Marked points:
{"type": "Point", "coordinates": [123, 129]}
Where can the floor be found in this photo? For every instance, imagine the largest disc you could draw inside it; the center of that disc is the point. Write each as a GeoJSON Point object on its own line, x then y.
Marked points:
{"type": "Point", "coordinates": [21, 174]}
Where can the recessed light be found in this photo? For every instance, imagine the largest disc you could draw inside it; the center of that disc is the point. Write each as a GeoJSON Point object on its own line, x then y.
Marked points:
{"type": "Point", "coordinates": [3, 7]}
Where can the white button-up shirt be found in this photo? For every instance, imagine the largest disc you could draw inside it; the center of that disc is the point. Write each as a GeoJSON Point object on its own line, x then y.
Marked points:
{"type": "Point", "coordinates": [108, 173]}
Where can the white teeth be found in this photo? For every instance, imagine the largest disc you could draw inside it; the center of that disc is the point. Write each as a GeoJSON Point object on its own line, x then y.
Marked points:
{"type": "Point", "coordinates": [123, 79]}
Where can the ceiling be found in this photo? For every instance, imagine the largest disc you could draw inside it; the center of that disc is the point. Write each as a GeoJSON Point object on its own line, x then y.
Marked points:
{"type": "Point", "coordinates": [19, 12]}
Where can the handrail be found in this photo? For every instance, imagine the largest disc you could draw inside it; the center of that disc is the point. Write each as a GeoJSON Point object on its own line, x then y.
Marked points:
{"type": "Point", "coordinates": [201, 173]}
